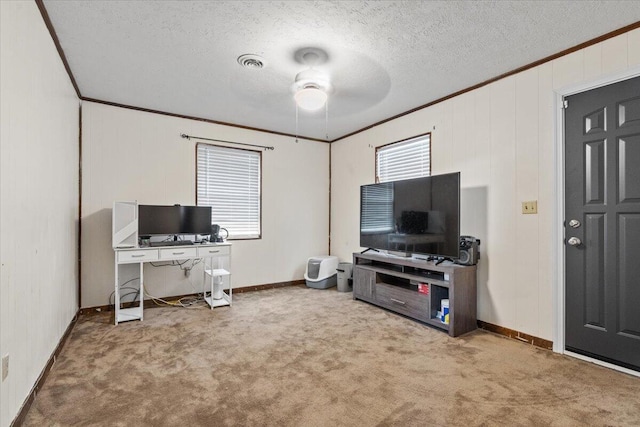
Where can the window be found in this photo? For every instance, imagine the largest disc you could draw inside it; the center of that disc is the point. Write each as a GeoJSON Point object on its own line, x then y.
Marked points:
{"type": "Point", "coordinates": [406, 159]}
{"type": "Point", "coordinates": [228, 180]}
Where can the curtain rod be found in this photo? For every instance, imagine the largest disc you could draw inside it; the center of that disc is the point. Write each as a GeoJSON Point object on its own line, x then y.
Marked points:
{"type": "Point", "coordinates": [189, 137]}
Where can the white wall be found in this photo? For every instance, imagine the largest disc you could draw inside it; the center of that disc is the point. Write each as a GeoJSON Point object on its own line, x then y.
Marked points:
{"type": "Point", "coordinates": [134, 155]}
{"type": "Point", "coordinates": [38, 200]}
{"type": "Point", "coordinates": [501, 138]}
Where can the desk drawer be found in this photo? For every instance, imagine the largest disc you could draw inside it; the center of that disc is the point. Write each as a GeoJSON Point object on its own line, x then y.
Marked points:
{"type": "Point", "coordinates": [178, 253]}
{"type": "Point", "coordinates": [137, 256]}
{"type": "Point", "coordinates": [209, 251]}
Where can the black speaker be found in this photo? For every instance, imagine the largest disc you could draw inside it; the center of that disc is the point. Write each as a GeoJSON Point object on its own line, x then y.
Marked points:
{"type": "Point", "coordinates": [469, 250]}
{"type": "Point", "coordinates": [215, 233]}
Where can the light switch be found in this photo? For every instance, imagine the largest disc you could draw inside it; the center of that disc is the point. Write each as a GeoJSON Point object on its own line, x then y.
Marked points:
{"type": "Point", "coordinates": [530, 207]}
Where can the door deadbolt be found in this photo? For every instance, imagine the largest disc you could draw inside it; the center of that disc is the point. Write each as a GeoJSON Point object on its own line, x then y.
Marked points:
{"type": "Point", "coordinates": [574, 241]}
{"type": "Point", "coordinates": [574, 223]}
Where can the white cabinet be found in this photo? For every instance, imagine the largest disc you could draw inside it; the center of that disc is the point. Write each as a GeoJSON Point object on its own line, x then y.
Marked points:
{"type": "Point", "coordinates": [217, 274]}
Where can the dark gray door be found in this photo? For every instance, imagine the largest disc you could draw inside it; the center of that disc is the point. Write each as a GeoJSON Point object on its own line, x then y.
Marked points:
{"type": "Point", "coordinates": [602, 223]}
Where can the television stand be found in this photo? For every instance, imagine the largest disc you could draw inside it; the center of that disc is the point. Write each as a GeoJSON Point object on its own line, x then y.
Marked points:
{"type": "Point", "coordinates": [416, 288]}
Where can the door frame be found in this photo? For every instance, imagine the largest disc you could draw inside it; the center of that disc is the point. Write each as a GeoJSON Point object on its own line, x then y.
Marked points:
{"type": "Point", "coordinates": [558, 231]}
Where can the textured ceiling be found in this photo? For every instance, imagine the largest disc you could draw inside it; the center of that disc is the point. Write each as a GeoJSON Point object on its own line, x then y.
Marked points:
{"type": "Point", "coordinates": [384, 57]}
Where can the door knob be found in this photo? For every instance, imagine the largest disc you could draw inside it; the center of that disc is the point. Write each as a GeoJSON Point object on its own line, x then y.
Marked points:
{"type": "Point", "coordinates": [574, 223]}
{"type": "Point", "coordinates": [574, 241]}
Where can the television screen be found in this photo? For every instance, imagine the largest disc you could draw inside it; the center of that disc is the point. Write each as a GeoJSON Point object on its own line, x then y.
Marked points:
{"type": "Point", "coordinates": [171, 220]}
{"type": "Point", "coordinates": [158, 220]}
{"type": "Point", "coordinates": [420, 215]}
{"type": "Point", "coordinates": [195, 219]}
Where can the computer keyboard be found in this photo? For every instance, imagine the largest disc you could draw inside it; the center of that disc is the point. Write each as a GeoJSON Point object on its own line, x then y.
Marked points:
{"type": "Point", "coordinates": [172, 243]}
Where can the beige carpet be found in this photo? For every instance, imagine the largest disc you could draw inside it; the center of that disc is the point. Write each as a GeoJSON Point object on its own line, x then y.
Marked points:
{"type": "Point", "coordinates": [304, 357]}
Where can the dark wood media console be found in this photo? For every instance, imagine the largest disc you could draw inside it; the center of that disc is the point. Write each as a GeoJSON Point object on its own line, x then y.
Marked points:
{"type": "Point", "coordinates": [392, 282]}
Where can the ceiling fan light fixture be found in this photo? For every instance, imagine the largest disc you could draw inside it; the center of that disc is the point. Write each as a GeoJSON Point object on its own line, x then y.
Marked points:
{"type": "Point", "coordinates": [310, 98]}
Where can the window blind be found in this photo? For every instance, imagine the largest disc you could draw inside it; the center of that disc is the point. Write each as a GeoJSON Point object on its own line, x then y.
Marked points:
{"type": "Point", "coordinates": [404, 159]}
{"type": "Point", "coordinates": [228, 180]}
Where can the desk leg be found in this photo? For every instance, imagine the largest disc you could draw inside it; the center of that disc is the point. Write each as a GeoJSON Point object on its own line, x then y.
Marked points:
{"type": "Point", "coordinates": [212, 281]}
{"type": "Point", "coordinates": [204, 277]}
{"type": "Point", "coordinates": [141, 291]}
{"type": "Point", "coordinates": [116, 297]}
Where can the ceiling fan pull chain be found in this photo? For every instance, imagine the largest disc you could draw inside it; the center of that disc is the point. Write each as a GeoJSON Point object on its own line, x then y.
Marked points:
{"type": "Point", "coordinates": [296, 123]}
{"type": "Point", "coordinates": [326, 120]}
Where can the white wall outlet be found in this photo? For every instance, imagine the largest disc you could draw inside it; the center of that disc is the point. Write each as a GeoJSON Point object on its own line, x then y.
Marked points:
{"type": "Point", "coordinates": [5, 366]}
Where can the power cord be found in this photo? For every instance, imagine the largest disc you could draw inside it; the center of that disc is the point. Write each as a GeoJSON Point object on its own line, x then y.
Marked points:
{"type": "Point", "coordinates": [122, 287]}
{"type": "Point", "coordinates": [170, 263]}
{"type": "Point", "coordinates": [184, 302]}
{"type": "Point", "coordinates": [134, 290]}
{"type": "Point", "coordinates": [187, 270]}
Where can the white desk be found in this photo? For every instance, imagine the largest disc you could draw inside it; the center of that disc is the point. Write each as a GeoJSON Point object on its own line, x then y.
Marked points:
{"type": "Point", "coordinates": [217, 261]}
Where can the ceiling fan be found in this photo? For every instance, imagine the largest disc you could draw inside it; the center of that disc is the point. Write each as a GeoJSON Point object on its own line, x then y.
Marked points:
{"type": "Point", "coordinates": [311, 87]}
{"type": "Point", "coordinates": [309, 78]}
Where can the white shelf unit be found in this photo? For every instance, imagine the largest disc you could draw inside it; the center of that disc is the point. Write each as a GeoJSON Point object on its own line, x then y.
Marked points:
{"type": "Point", "coordinates": [218, 276]}
{"type": "Point", "coordinates": [124, 225]}
{"type": "Point", "coordinates": [130, 257]}
{"type": "Point", "coordinates": [132, 313]}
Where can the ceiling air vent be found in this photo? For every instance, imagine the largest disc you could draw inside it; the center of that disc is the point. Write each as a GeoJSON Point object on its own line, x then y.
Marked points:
{"type": "Point", "coordinates": [251, 61]}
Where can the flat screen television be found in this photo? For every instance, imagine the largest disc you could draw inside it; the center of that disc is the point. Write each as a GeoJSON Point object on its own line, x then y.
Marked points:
{"type": "Point", "coordinates": [173, 220]}
{"type": "Point", "coordinates": [195, 219]}
{"type": "Point", "coordinates": [420, 215]}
